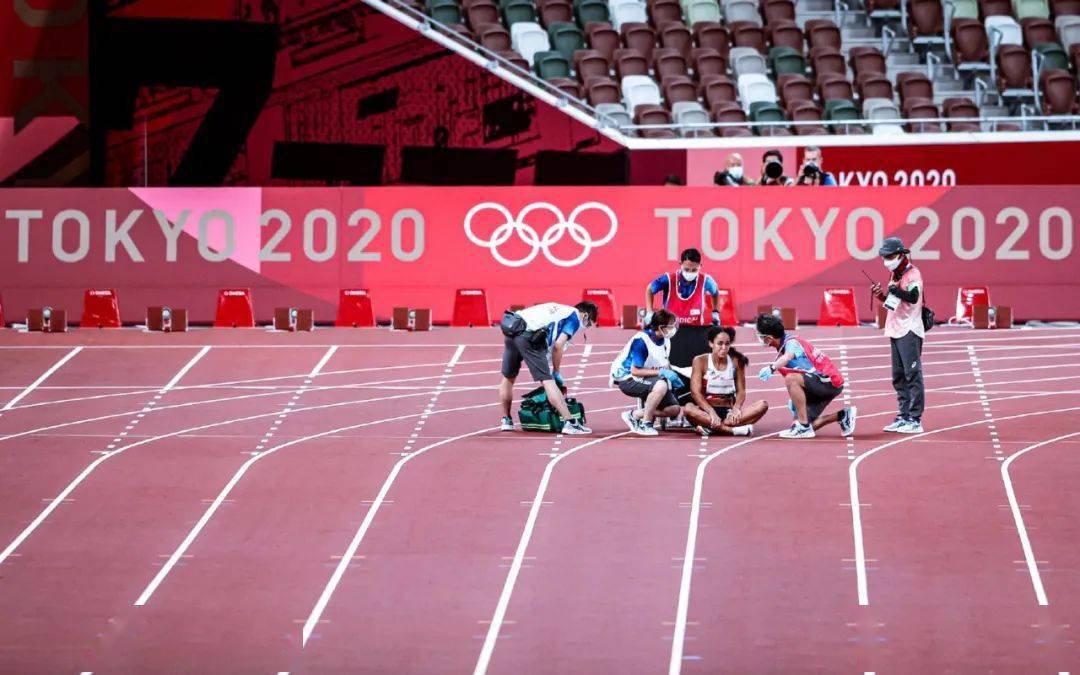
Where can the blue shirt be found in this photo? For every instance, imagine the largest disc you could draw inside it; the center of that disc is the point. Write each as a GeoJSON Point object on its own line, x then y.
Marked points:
{"type": "Point", "coordinates": [638, 354]}
{"type": "Point", "coordinates": [828, 179]}
{"type": "Point", "coordinates": [660, 285]}
{"type": "Point", "coordinates": [557, 319]}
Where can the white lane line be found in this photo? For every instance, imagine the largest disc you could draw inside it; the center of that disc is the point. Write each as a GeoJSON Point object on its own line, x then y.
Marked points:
{"type": "Point", "coordinates": [1018, 518]}
{"type": "Point", "coordinates": [850, 440]}
{"type": "Point", "coordinates": [292, 402]}
{"type": "Point", "coordinates": [980, 388]}
{"type": "Point", "coordinates": [853, 485]}
{"type": "Point", "coordinates": [44, 376]}
{"type": "Point", "coordinates": [498, 617]}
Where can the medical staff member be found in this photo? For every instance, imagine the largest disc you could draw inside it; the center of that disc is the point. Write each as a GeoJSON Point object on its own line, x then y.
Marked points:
{"type": "Point", "coordinates": [903, 299]}
{"type": "Point", "coordinates": [538, 336]}
{"type": "Point", "coordinates": [684, 292]}
{"type": "Point", "coordinates": [642, 370]}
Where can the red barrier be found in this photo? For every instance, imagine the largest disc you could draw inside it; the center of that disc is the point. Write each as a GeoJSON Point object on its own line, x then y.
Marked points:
{"type": "Point", "coordinates": [234, 309]}
{"type": "Point", "coordinates": [726, 307]}
{"type": "Point", "coordinates": [470, 308]}
{"type": "Point", "coordinates": [354, 309]}
{"type": "Point", "coordinates": [838, 308]}
{"type": "Point", "coordinates": [101, 309]}
{"type": "Point", "coordinates": [605, 305]}
{"type": "Point", "coordinates": [968, 297]}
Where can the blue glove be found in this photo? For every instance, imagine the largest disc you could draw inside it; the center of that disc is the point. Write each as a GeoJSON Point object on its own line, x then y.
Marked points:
{"type": "Point", "coordinates": [557, 376]}
{"type": "Point", "coordinates": [715, 318]}
{"type": "Point", "coordinates": [765, 373]}
{"type": "Point", "coordinates": [673, 379]}
{"type": "Point", "coordinates": [647, 318]}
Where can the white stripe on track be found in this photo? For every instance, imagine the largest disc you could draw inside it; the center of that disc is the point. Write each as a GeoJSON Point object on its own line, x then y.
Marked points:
{"type": "Point", "coordinates": [44, 376]}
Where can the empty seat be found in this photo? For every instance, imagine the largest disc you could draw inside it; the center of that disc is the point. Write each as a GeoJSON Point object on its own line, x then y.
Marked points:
{"type": "Point", "coordinates": [778, 10]}
{"type": "Point", "coordinates": [971, 47]}
{"type": "Point", "coordinates": [747, 34]}
{"type": "Point", "coordinates": [602, 90]}
{"type": "Point", "coordinates": [994, 8]}
{"type": "Point", "coordinates": [702, 11]}
{"type": "Point", "coordinates": [786, 34]}
{"type": "Point", "coordinates": [1069, 32]}
{"type": "Point", "coordinates": [668, 62]}
{"type": "Point", "coordinates": [822, 33]}
{"type": "Point", "coordinates": [746, 60]}
{"type": "Point", "coordinates": [1013, 68]}
{"type": "Point", "coordinates": [786, 61]}
{"type": "Point", "coordinates": [865, 59]}
{"type": "Point", "coordinates": [873, 85]}
{"type": "Point", "coordinates": [714, 36]}
{"type": "Point", "coordinates": [566, 85]}
{"type": "Point", "coordinates": [914, 86]}
{"type": "Point", "coordinates": [965, 9]}
{"type": "Point", "coordinates": [832, 86]}
{"type": "Point", "coordinates": [717, 89]}
{"type": "Point", "coordinates": [678, 88]}
{"type": "Point", "coordinates": [1053, 56]}
{"type": "Point", "coordinates": [880, 109]}
{"type": "Point", "coordinates": [766, 111]}
{"type": "Point", "coordinates": [446, 12]}
{"type": "Point", "coordinates": [615, 113]}
{"type": "Point", "coordinates": [566, 38]}
{"type": "Point", "coordinates": [1065, 7]}
{"type": "Point", "coordinates": [630, 62]}
{"type": "Point", "coordinates": [741, 10]}
{"type": "Point", "coordinates": [591, 11]}
{"type": "Point", "coordinates": [663, 11]}
{"type": "Point", "coordinates": [1003, 30]}
{"type": "Point", "coordinates": [553, 12]}
{"type": "Point", "coordinates": [1058, 92]}
{"type": "Point", "coordinates": [626, 11]}
{"type": "Point", "coordinates": [677, 36]}
{"type": "Point", "coordinates": [755, 88]}
{"type": "Point", "coordinates": [1031, 9]}
{"type": "Point", "coordinates": [551, 64]}
{"type": "Point", "coordinates": [961, 108]}
{"type": "Point", "coordinates": [827, 60]}
{"type": "Point", "coordinates": [689, 112]}
{"type": "Point", "coordinates": [794, 89]}
{"type": "Point", "coordinates": [1037, 31]}
{"type": "Point", "coordinates": [590, 63]}
{"type": "Point", "coordinates": [730, 113]}
{"type": "Point", "coordinates": [604, 39]}
{"type": "Point", "coordinates": [528, 39]}
{"type": "Point", "coordinates": [639, 36]}
{"type": "Point", "coordinates": [519, 11]}
{"type": "Point", "coordinates": [639, 90]}
{"type": "Point", "coordinates": [494, 37]}
{"type": "Point", "coordinates": [842, 110]}
{"type": "Point", "coordinates": [516, 59]}
{"type": "Point", "coordinates": [921, 108]}
{"type": "Point", "coordinates": [805, 111]}
{"type": "Point", "coordinates": [647, 113]}
{"type": "Point", "coordinates": [926, 20]}
{"type": "Point", "coordinates": [480, 13]}
{"type": "Point", "coordinates": [708, 61]}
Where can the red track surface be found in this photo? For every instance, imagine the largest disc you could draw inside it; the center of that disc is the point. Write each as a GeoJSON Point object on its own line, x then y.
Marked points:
{"type": "Point", "coordinates": [182, 551]}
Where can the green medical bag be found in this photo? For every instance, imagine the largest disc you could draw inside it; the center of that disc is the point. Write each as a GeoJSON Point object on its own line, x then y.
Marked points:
{"type": "Point", "coordinates": [536, 414]}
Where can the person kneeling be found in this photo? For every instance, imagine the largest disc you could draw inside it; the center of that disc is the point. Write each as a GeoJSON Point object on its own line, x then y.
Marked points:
{"type": "Point", "coordinates": [718, 389]}
{"type": "Point", "coordinates": [642, 370]}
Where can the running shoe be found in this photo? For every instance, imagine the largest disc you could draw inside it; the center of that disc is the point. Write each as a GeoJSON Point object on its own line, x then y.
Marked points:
{"type": "Point", "coordinates": [575, 428]}
{"type": "Point", "coordinates": [628, 417]}
{"type": "Point", "coordinates": [910, 427]}
{"type": "Point", "coordinates": [846, 419]}
{"type": "Point", "coordinates": [643, 428]}
{"type": "Point", "coordinates": [744, 430]}
{"type": "Point", "coordinates": [798, 431]}
{"type": "Point", "coordinates": [507, 424]}
{"type": "Point", "coordinates": [896, 425]}
{"type": "Point", "coordinates": [703, 431]}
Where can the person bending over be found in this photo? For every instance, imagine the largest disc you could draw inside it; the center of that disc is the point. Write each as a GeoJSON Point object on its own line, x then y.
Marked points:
{"type": "Point", "coordinates": [811, 379]}
{"type": "Point", "coordinates": [538, 336]}
{"type": "Point", "coordinates": [718, 389]}
{"type": "Point", "coordinates": [642, 370]}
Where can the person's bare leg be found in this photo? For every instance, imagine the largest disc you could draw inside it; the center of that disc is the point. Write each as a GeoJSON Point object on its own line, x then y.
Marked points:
{"type": "Point", "coordinates": [696, 415]}
{"type": "Point", "coordinates": [671, 412]}
{"type": "Point", "coordinates": [823, 420]}
{"type": "Point", "coordinates": [754, 412]}
{"type": "Point", "coordinates": [796, 391]}
{"type": "Point", "coordinates": [506, 395]}
{"type": "Point", "coordinates": [652, 402]}
{"type": "Point", "coordinates": [555, 398]}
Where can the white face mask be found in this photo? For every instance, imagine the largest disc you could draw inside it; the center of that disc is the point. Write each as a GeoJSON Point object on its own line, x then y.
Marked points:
{"type": "Point", "coordinates": [892, 264]}
{"type": "Point", "coordinates": [735, 172]}
{"type": "Point", "coordinates": [689, 276]}
{"type": "Point", "coordinates": [669, 332]}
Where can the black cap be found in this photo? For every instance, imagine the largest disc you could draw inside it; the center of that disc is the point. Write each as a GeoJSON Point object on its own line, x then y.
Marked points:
{"type": "Point", "coordinates": [892, 246]}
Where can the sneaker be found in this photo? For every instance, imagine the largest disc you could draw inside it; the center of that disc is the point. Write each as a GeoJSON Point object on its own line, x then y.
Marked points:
{"type": "Point", "coordinates": [507, 424]}
{"type": "Point", "coordinates": [910, 427]}
{"type": "Point", "coordinates": [744, 430]}
{"type": "Point", "coordinates": [643, 428]}
{"type": "Point", "coordinates": [846, 419]}
{"type": "Point", "coordinates": [575, 428]}
{"type": "Point", "coordinates": [798, 431]}
{"type": "Point", "coordinates": [628, 418]}
{"type": "Point", "coordinates": [896, 425]}
{"type": "Point", "coordinates": [703, 431]}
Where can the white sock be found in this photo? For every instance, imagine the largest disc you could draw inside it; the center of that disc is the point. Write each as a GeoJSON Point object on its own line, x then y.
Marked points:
{"type": "Point", "coordinates": [743, 430]}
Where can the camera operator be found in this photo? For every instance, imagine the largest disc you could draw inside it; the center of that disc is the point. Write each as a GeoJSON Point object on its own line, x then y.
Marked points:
{"type": "Point", "coordinates": [732, 175]}
{"type": "Point", "coordinates": [810, 173]}
{"type": "Point", "coordinates": [772, 169]}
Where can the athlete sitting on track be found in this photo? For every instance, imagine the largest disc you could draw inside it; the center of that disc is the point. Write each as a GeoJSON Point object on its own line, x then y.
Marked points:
{"type": "Point", "coordinates": [811, 378]}
{"type": "Point", "coordinates": [642, 370]}
{"type": "Point", "coordinates": [718, 389]}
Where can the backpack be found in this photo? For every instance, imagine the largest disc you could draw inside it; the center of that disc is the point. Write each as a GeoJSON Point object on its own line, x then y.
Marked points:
{"type": "Point", "coordinates": [537, 414]}
{"type": "Point", "coordinates": [822, 364]}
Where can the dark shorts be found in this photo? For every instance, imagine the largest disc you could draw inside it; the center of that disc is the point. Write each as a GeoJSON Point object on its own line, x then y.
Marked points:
{"type": "Point", "coordinates": [641, 390]}
{"type": "Point", "coordinates": [818, 395]}
{"type": "Point", "coordinates": [519, 349]}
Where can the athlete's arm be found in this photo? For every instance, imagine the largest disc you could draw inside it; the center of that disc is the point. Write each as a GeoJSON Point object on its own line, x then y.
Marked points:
{"type": "Point", "coordinates": [697, 378]}
{"type": "Point", "coordinates": [740, 387]}
{"type": "Point", "coordinates": [557, 350]}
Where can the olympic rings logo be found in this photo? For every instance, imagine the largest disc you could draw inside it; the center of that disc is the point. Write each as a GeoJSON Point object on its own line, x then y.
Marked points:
{"type": "Point", "coordinates": [540, 243]}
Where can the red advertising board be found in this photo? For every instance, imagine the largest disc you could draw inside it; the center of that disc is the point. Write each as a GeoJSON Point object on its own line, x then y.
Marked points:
{"type": "Point", "coordinates": [415, 247]}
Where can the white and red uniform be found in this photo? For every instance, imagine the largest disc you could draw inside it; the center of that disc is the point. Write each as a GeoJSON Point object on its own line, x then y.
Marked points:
{"type": "Point", "coordinates": [691, 309]}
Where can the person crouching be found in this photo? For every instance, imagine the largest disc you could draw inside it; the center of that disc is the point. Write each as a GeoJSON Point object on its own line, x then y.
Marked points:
{"type": "Point", "coordinates": [642, 371]}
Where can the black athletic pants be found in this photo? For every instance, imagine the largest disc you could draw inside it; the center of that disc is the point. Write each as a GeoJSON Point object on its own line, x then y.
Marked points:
{"type": "Point", "coordinates": [907, 377]}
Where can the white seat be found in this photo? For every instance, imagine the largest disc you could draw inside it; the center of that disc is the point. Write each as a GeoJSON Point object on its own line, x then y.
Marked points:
{"type": "Point", "coordinates": [888, 130]}
{"type": "Point", "coordinates": [689, 112]}
{"type": "Point", "coordinates": [1007, 27]}
{"type": "Point", "coordinates": [880, 109]}
{"type": "Point", "coordinates": [1063, 21]}
{"type": "Point", "coordinates": [696, 11]}
{"type": "Point", "coordinates": [1069, 32]}
{"type": "Point", "coordinates": [627, 11]}
{"type": "Point", "coordinates": [639, 90]}
{"type": "Point", "coordinates": [755, 87]}
{"type": "Point", "coordinates": [741, 10]}
{"type": "Point", "coordinates": [747, 60]}
{"type": "Point", "coordinates": [529, 38]}
{"type": "Point", "coordinates": [615, 112]}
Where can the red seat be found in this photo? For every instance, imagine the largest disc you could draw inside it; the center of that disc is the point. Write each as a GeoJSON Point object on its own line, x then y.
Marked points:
{"type": "Point", "coordinates": [747, 34]}
{"type": "Point", "coordinates": [664, 11]}
{"type": "Point", "coordinates": [865, 59]}
{"type": "Point", "coordinates": [873, 6]}
{"type": "Point", "coordinates": [1064, 7]}
{"type": "Point", "coordinates": [921, 108]}
{"type": "Point", "coordinates": [960, 107]}
{"type": "Point", "coordinates": [718, 89]}
{"type": "Point", "coordinates": [602, 90]}
{"type": "Point", "coordinates": [822, 33]}
{"type": "Point", "coordinates": [1038, 31]}
{"type": "Point", "coordinates": [639, 36]}
{"type": "Point", "coordinates": [658, 133]}
{"type": "Point", "coordinates": [708, 61]}
{"type": "Point", "coordinates": [833, 86]}
{"type": "Point", "coordinates": [728, 112]}
{"type": "Point", "coordinates": [786, 34]}
{"type": "Point", "coordinates": [1058, 92]}
{"type": "Point", "coordinates": [994, 8]}
{"type": "Point", "coordinates": [914, 86]}
{"type": "Point", "coordinates": [494, 37]}
{"type": "Point", "coordinates": [827, 60]}
{"type": "Point", "coordinates": [873, 85]}
{"type": "Point", "coordinates": [677, 36]}
{"type": "Point", "coordinates": [678, 88]}
{"type": "Point", "coordinates": [651, 114]}
{"type": "Point", "coordinates": [806, 111]}
{"type": "Point", "coordinates": [927, 18]}
{"type": "Point", "coordinates": [667, 61]}
{"type": "Point", "coordinates": [515, 58]}
{"type": "Point", "coordinates": [794, 88]}
{"type": "Point", "coordinates": [778, 10]}
{"type": "Point", "coordinates": [555, 11]}
{"type": "Point", "coordinates": [1013, 67]}
{"type": "Point", "coordinates": [969, 42]}
{"type": "Point", "coordinates": [566, 85]}
{"type": "Point", "coordinates": [482, 12]}
{"type": "Point", "coordinates": [1074, 57]}
{"type": "Point", "coordinates": [603, 38]}
{"type": "Point", "coordinates": [630, 62]}
{"type": "Point", "coordinates": [714, 35]}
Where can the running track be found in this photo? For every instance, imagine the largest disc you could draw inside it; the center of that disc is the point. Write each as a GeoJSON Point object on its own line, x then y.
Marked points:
{"type": "Point", "coordinates": [337, 502]}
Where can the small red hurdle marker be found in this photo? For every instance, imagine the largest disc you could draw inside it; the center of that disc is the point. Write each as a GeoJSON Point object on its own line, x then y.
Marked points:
{"type": "Point", "coordinates": [605, 305]}
{"type": "Point", "coordinates": [101, 309]}
{"type": "Point", "coordinates": [967, 299]}
{"type": "Point", "coordinates": [354, 309]}
{"type": "Point", "coordinates": [46, 320]}
{"type": "Point", "coordinates": [838, 307]}
{"type": "Point", "coordinates": [234, 309]}
{"type": "Point", "coordinates": [726, 307]}
{"type": "Point", "coordinates": [166, 319]}
{"type": "Point", "coordinates": [470, 308]}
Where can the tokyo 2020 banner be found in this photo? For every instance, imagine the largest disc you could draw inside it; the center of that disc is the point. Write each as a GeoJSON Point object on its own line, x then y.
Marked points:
{"type": "Point", "coordinates": [416, 246]}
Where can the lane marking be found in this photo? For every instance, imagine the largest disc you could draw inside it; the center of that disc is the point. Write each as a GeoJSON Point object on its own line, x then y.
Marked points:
{"type": "Point", "coordinates": [1018, 517]}
{"type": "Point", "coordinates": [850, 440]}
{"type": "Point", "coordinates": [44, 376]}
{"type": "Point", "coordinates": [995, 440]}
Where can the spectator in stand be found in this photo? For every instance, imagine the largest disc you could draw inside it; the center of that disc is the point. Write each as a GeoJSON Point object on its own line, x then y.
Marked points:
{"type": "Point", "coordinates": [732, 175]}
{"type": "Point", "coordinates": [772, 169]}
{"type": "Point", "coordinates": [811, 173]}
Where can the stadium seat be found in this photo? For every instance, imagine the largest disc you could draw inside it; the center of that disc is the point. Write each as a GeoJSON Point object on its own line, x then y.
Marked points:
{"type": "Point", "coordinates": [883, 9]}
{"type": "Point", "coordinates": [806, 111]}
{"type": "Point", "coordinates": [516, 59]}
{"type": "Point", "coordinates": [914, 86]}
{"type": "Point", "coordinates": [658, 133]}
{"type": "Point", "coordinates": [755, 88]}
{"type": "Point", "coordinates": [786, 34]}
{"type": "Point", "coordinates": [615, 112]}
{"type": "Point", "coordinates": [1053, 56]}
{"type": "Point", "coordinates": [822, 33]}
{"type": "Point", "coordinates": [1069, 31]}
{"type": "Point", "coordinates": [708, 61]}
{"type": "Point", "coordinates": [1037, 31]}
{"type": "Point", "coordinates": [494, 37]}
{"type": "Point", "coordinates": [519, 11]}
{"type": "Point", "coordinates": [556, 11]}
{"type": "Point", "coordinates": [843, 110]}
{"type": "Point", "coordinates": [630, 62]}
{"type": "Point", "coordinates": [971, 47]}
{"type": "Point", "coordinates": [786, 61]}
{"type": "Point", "coordinates": [827, 60]}
{"type": "Point", "coordinates": [667, 63]}
{"type": "Point", "coordinates": [965, 9]}
{"type": "Point", "coordinates": [1058, 92]}
{"type": "Point", "coordinates": [765, 111]}
{"type": "Point", "coordinates": [746, 60]}
{"type": "Point", "coordinates": [679, 89]}
{"type": "Point", "coordinates": [677, 36]}
{"type": "Point", "coordinates": [1013, 68]}
{"type": "Point", "coordinates": [589, 63]}
{"type": "Point", "coordinates": [592, 11]}
{"type": "Point", "coordinates": [832, 86]}
{"type": "Point", "coordinates": [665, 11]}
{"type": "Point", "coordinates": [639, 36]}
{"type": "Point", "coordinates": [702, 11]}
{"type": "Point", "coordinates": [747, 34]}
{"type": "Point", "coordinates": [601, 90]}
{"type": "Point", "coordinates": [1031, 9]}
{"type": "Point", "coordinates": [778, 10]}
{"type": "Point", "coordinates": [689, 112]}
{"type": "Point", "coordinates": [566, 38]}
{"type": "Point", "coordinates": [730, 112]}
{"type": "Point", "coordinates": [1003, 30]}
{"type": "Point", "coordinates": [528, 38]}
{"type": "Point", "coordinates": [714, 36]}
{"type": "Point", "coordinates": [480, 13]}
{"type": "Point", "coordinates": [865, 60]}
{"type": "Point", "coordinates": [880, 109]}
{"type": "Point", "coordinates": [648, 113]}
{"type": "Point", "coordinates": [626, 11]}
{"type": "Point", "coordinates": [921, 108]}
{"type": "Point", "coordinates": [566, 85]}
{"type": "Point", "coordinates": [794, 88]}
{"type": "Point", "coordinates": [551, 64]}
{"type": "Point", "coordinates": [1065, 7]}
{"type": "Point", "coordinates": [718, 89]}
{"type": "Point", "coordinates": [926, 19]}
{"type": "Point", "coordinates": [604, 39]}
{"type": "Point", "coordinates": [445, 12]}
{"type": "Point", "coordinates": [639, 90]}
{"type": "Point", "coordinates": [994, 8]}
{"type": "Point", "coordinates": [960, 107]}
{"type": "Point", "coordinates": [741, 10]}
